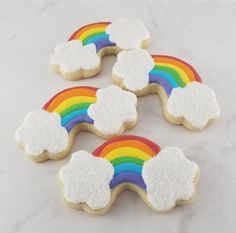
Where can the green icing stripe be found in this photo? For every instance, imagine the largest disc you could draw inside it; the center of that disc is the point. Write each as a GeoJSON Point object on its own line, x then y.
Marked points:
{"type": "Point", "coordinates": [173, 72]}
{"type": "Point", "coordinates": [98, 34]}
{"type": "Point", "coordinates": [74, 108]}
{"type": "Point", "coordinates": [120, 160]}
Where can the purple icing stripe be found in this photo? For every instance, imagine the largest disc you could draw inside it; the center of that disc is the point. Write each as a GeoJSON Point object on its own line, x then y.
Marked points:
{"type": "Point", "coordinates": [103, 43]}
{"type": "Point", "coordinates": [76, 120]}
{"type": "Point", "coordinates": [129, 177]}
{"type": "Point", "coordinates": [164, 83]}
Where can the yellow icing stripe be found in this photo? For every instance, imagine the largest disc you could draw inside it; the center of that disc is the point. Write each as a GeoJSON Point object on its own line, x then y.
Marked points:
{"type": "Point", "coordinates": [74, 100]}
{"type": "Point", "coordinates": [91, 31]}
{"type": "Point", "coordinates": [127, 152]}
{"type": "Point", "coordinates": [182, 73]}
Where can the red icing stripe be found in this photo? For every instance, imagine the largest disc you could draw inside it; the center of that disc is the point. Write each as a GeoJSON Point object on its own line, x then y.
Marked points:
{"type": "Point", "coordinates": [88, 25]}
{"type": "Point", "coordinates": [151, 144]}
{"type": "Point", "coordinates": [65, 90]}
{"type": "Point", "coordinates": [197, 76]}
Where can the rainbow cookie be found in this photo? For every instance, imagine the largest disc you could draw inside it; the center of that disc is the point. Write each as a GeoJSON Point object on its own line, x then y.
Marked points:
{"type": "Point", "coordinates": [48, 133]}
{"type": "Point", "coordinates": [163, 178]}
{"type": "Point", "coordinates": [185, 99]}
{"type": "Point", "coordinates": [80, 57]}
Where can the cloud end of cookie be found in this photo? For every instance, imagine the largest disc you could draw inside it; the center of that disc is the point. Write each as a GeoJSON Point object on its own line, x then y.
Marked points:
{"type": "Point", "coordinates": [42, 131]}
{"type": "Point", "coordinates": [72, 56]}
{"type": "Point", "coordinates": [114, 108]}
{"type": "Point", "coordinates": [133, 68]}
{"type": "Point", "coordinates": [169, 177]}
{"type": "Point", "coordinates": [196, 103]}
{"type": "Point", "coordinates": [86, 179]}
{"type": "Point", "coordinates": [127, 33]}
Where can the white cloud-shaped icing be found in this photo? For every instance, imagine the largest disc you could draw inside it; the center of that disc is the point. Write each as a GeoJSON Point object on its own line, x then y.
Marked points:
{"type": "Point", "coordinates": [86, 179]}
{"type": "Point", "coordinates": [196, 103]}
{"type": "Point", "coordinates": [113, 108]}
{"type": "Point", "coordinates": [169, 177]}
{"type": "Point", "coordinates": [42, 131]}
{"type": "Point", "coordinates": [72, 56]}
{"type": "Point", "coordinates": [127, 33]}
{"type": "Point", "coordinates": [133, 68]}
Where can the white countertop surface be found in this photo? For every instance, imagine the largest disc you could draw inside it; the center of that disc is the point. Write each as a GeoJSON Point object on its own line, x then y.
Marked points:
{"type": "Point", "coordinates": [201, 33]}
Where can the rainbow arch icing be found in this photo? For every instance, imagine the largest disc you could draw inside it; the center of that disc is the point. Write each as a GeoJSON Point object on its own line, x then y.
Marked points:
{"type": "Point", "coordinates": [171, 72]}
{"type": "Point", "coordinates": [72, 105]}
{"type": "Point", "coordinates": [93, 33]}
{"type": "Point", "coordinates": [127, 154]}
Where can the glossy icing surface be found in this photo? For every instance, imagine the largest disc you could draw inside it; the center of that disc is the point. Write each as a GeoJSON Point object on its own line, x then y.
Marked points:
{"type": "Point", "coordinates": [72, 104]}
{"type": "Point", "coordinates": [171, 72]}
{"type": "Point", "coordinates": [127, 155]}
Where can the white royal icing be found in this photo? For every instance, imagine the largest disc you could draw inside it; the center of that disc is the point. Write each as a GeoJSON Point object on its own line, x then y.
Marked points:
{"type": "Point", "coordinates": [169, 177]}
{"type": "Point", "coordinates": [86, 179]}
{"type": "Point", "coordinates": [127, 33]}
{"type": "Point", "coordinates": [133, 68]}
{"type": "Point", "coordinates": [72, 56]}
{"type": "Point", "coordinates": [113, 108]}
{"type": "Point", "coordinates": [196, 103]}
{"type": "Point", "coordinates": [42, 131]}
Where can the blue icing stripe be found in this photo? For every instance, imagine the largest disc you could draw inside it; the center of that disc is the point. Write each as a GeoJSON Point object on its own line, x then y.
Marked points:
{"type": "Point", "coordinates": [103, 43]}
{"type": "Point", "coordinates": [72, 115]}
{"type": "Point", "coordinates": [165, 75]}
{"type": "Point", "coordinates": [94, 38]}
{"type": "Point", "coordinates": [127, 167]}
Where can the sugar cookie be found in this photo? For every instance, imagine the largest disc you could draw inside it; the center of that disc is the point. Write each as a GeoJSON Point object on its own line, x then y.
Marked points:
{"type": "Point", "coordinates": [163, 178]}
{"type": "Point", "coordinates": [80, 57]}
{"type": "Point", "coordinates": [185, 100]}
{"type": "Point", "coordinates": [49, 133]}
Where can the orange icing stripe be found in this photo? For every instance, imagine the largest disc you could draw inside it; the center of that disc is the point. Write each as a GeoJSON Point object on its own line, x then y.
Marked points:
{"type": "Point", "coordinates": [178, 63]}
{"type": "Point", "coordinates": [80, 31]}
{"type": "Point", "coordinates": [129, 143]}
{"type": "Point", "coordinates": [122, 138]}
{"type": "Point", "coordinates": [67, 94]}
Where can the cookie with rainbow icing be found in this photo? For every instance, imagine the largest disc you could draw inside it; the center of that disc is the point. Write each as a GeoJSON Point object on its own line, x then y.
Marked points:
{"type": "Point", "coordinates": [80, 57]}
{"type": "Point", "coordinates": [48, 133]}
{"type": "Point", "coordinates": [185, 99]}
{"type": "Point", "coordinates": [163, 178]}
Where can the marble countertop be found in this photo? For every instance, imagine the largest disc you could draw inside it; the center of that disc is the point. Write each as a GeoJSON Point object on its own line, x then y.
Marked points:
{"type": "Point", "coordinates": [202, 33]}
